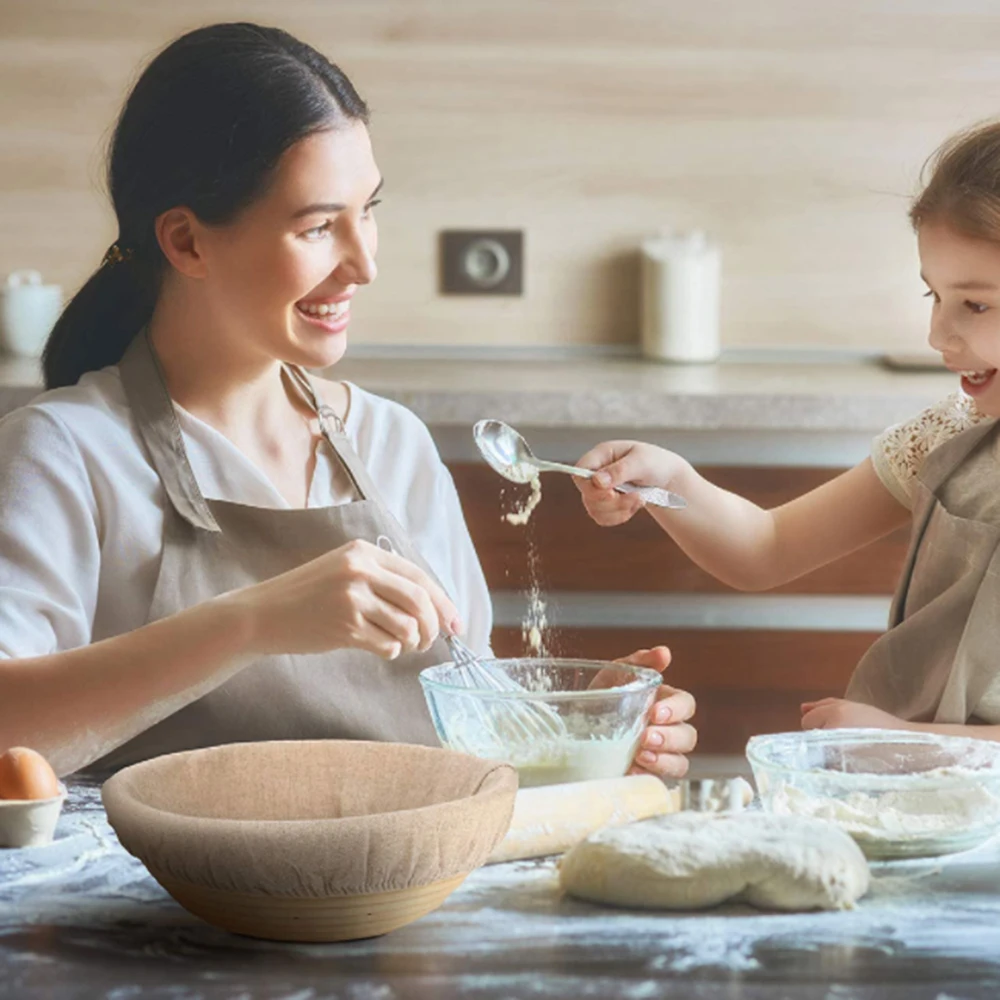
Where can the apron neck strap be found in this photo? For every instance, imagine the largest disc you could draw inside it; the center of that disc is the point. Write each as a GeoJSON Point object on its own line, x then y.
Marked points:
{"type": "Point", "coordinates": [334, 432]}
{"type": "Point", "coordinates": [154, 414]}
{"type": "Point", "coordinates": [153, 411]}
{"type": "Point", "coordinates": [326, 414]}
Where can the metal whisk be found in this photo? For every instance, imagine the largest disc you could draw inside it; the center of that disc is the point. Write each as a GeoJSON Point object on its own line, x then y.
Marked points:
{"type": "Point", "coordinates": [520, 721]}
{"type": "Point", "coordinates": [524, 721]}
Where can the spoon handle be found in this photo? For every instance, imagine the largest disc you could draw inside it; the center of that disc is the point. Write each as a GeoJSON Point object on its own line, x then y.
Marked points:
{"type": "Point", "coordinates": [652, 495]}
{"type": "Point", "coordinates": [572, 470]}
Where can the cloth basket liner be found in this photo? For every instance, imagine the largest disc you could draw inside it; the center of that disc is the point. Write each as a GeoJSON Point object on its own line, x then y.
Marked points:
{"type": "Point", "coordinates": [312, 818]}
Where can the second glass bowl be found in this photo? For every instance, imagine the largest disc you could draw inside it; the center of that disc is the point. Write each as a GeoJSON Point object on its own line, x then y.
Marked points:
{"type": "Point", "coordinates": [899, 794]}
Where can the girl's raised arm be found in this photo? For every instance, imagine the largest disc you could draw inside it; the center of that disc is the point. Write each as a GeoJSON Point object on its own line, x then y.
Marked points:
{"type": "Point", "coordinates": [739, 543]}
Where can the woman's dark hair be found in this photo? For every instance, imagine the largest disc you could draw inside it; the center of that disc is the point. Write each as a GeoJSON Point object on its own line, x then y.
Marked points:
{"type": "Point", "coordinates": [204, 127]}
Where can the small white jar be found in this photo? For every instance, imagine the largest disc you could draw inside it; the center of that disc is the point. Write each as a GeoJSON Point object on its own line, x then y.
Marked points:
{"type": "Point", "coordinates": [28, 311]}
{"type": "Point", "coordinates": [30, 822]}
{"type": "Point", "coordinates": [681, 275]}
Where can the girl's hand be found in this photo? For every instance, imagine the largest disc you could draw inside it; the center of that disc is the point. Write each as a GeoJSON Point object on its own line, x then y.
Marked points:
{"type": "Point", "coordinates": [669, 736]}
{"type": "Point", "coordinates": [836, 713]}
{"type": "Point", "coordinates": [358, 596]}
{"type": "Point", "coordinates": [623, 462]}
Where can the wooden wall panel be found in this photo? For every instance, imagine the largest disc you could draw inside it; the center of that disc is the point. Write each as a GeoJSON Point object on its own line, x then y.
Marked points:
{"type": "Point", "coordinates": [793, 132]}
{"type": "Point", "coordinates": [745, 682]}
{"type": "Point", "coordinates": [575, 554]}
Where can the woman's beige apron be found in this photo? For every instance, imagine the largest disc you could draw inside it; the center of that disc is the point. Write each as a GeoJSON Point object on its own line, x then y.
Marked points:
{"type": "Point", "coordinates": [214, 546]}
{"type": "Point", "coordinates": [942, 651]}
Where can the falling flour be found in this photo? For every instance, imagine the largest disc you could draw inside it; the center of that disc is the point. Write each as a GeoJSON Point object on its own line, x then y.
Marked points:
{"type": "Point", "coordinates": [535, 622]}
{"type": "Point", "coordinates": [521, 515]}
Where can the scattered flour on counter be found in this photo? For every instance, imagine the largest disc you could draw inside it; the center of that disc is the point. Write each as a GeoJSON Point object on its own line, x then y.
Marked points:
{"type": "Point", "coordinates": [913, 911]}
{"type": "Point", "coordinates": [99, 901]}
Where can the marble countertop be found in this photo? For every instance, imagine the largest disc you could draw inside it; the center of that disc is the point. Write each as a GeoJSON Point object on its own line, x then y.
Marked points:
{"type": "Point", "coordinates": [82, 920]}
{"type": "Point", "coordinates": [844, 396]}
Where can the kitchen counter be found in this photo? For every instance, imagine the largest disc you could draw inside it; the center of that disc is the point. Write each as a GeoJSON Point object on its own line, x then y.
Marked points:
{"type": "Point", "coordinates": [768, 410]}
{"type": "Point", "coordinates": [82, 920]}
{"type": "Point", "coordinates": [850, 396]}
{"type": "Point", "coordinates": [847, 396]}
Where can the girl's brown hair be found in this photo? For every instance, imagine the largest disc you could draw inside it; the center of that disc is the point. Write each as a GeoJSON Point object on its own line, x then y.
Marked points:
{"type": "Point", "coordinates": [964, 186]}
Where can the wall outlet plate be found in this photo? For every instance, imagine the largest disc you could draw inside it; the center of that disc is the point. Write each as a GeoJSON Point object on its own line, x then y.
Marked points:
{"type": "Point", "coordinates": [482, 261]}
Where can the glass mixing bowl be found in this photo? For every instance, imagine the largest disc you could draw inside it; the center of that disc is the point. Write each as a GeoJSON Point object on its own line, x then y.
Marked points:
{"type": "Point", "coordinates": [555, 720]}
{"type": "Point", "coordinates": [899, 794]}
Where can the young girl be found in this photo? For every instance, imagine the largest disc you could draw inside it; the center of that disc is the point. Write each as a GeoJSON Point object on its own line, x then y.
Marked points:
{"type": "Point", "coordinates": [937, 669]}
{"type": "Point", "coordinates": [190, 527]}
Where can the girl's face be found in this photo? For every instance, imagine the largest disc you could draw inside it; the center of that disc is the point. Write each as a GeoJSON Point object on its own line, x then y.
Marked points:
{"type": "Point", "coordinates": [963, 279]}
{"type": "Point", "coordinates": [279, 279]}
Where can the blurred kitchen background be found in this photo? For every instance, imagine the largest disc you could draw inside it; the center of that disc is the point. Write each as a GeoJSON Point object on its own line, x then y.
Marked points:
{"type": "Point", "coordinates": [792, 133]}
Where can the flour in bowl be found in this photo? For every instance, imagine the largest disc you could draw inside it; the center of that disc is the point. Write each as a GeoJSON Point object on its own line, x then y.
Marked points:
{"type": "Point", "coordinates": [923, 809]}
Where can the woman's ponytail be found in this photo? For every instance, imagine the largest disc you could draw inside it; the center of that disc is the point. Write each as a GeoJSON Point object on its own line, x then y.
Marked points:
{"type": "Point", "coordinates": [204, 127]}
{"type": "Point", "coordinates": [100, 321]}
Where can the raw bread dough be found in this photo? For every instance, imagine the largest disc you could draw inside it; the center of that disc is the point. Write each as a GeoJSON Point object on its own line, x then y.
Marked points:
{"type": "Point", "coordinates": [694, 860]}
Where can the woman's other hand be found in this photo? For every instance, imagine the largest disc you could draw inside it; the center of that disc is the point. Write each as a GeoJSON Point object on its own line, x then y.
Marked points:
{"type": "Point", "coordinates": [669, 737]}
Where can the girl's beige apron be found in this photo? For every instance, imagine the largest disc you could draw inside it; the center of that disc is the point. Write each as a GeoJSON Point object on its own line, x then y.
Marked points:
{"type": "Point", "coordinates": [213, 546]}
{"type": "Point", "coordinates": [942, 651]}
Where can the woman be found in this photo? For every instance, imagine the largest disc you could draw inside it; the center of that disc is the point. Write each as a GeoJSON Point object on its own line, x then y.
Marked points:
{"type": "Point", "coordinates": [187, 545]}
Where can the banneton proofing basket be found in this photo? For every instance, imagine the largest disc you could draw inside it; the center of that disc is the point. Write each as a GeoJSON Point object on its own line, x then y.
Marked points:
{"type": "Point", "coordinates": [319, 840]}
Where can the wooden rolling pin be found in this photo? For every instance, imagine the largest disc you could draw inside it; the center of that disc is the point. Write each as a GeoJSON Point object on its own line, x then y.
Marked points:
{"type": "Point", "coordinates": [551, 819]}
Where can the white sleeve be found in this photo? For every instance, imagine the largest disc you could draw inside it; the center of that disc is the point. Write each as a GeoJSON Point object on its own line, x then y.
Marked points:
{"type": "Point", "coordinates": [898, 454]}
{"type": "Point", "coordinates": [49, 537]}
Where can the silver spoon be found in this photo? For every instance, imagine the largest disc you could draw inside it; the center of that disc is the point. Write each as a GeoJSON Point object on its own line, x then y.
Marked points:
{"type": "Point", "coordinates": [508, 453]}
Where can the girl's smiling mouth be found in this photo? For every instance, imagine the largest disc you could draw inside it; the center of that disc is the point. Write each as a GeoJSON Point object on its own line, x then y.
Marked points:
{"type": "Point", "coordinates": [975, 382]}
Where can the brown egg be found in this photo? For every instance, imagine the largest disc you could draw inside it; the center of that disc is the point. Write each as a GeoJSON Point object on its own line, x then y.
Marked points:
{"type": "Point", "coordinates": [26, 774]}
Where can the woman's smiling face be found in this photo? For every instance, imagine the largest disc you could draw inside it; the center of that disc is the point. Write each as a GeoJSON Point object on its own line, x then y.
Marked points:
{"type": "Point", "coordinates": [963, 279]}
{"type": "Point", "coordinates": [279, 279]}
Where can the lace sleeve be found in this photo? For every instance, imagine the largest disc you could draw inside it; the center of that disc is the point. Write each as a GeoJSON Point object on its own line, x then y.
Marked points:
{"type": "Point", "coordinates": [899, 452]}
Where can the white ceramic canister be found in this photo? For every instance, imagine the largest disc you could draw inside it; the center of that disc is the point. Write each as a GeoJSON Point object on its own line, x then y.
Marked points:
{"type": "Point", "coordinates": [28, 311]}
{"type": "Point", "coordinates": [681, 275]}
